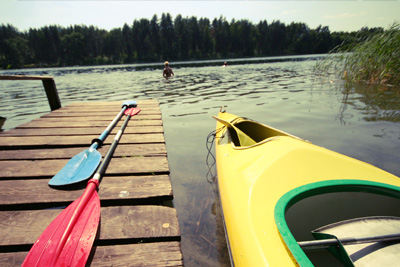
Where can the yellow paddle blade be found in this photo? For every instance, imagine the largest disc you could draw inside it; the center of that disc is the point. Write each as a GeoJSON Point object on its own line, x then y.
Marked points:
{"type": "Point", "coordinates": [244, 139]}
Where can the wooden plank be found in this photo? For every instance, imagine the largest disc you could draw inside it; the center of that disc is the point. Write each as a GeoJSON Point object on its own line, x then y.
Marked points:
{"type": "Point", "coordinates": [51, 93]}
{"type": "Point", "coordinates": [43, 124]}
{"type": "Point", "coordinates": [89, 106]}
{"type": "Point", "coordinates": [114, 103]}
{"type": "Point", "coordinates": [25, 77]}
{"type": "Point", "coordinates": [78, 131]}
{"type": "Point", "coordinates": [48, 168]}
{"type": "Point", "coordinates": [84, 140]}
{"type": "Point", "coordinates": [132, 191]}
{"type": "Point", "coordinates": [48, 84]}
{"type": "Point", "coordinates": [98, 117]}
{"type": "Point", "coordinates": [152, 254]}
{"type": "Point", "coordinates": [163, 254]}
{"type": "Point", "coordinates": [104, 108]}
{"type": "Point", "coordinates": [122, 223]}
{"type": "Point", "coordinates": [122, 188]}
{"type": "Point", "coordinates": [123, 150]}
{"type": "Point", "coordinates": [76, 113]}
{"type": "Point", "coordinates": [128, 222]}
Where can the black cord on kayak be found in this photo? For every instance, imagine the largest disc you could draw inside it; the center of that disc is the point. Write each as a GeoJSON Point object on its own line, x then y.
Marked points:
{"type": "Point", "coordinates": [211, 174]}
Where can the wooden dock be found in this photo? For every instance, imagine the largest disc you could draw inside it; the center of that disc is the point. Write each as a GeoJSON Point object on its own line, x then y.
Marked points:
{"type": "Point", "coordinates": [138, 226]}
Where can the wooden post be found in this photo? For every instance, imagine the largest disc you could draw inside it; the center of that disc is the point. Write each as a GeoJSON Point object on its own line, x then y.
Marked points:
{"type": "Point", "coordinates": [48, 84]}
{"type": "Point", "coordinates": [52, 94]}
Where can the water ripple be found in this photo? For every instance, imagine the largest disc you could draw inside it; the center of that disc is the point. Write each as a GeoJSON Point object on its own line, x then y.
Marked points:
{"type": "Point", "coordinates": [284, 94]}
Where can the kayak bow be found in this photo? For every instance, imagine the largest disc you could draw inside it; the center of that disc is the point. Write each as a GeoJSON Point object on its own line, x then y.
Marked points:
{"type": "Point", "coordinates": [258, 181]}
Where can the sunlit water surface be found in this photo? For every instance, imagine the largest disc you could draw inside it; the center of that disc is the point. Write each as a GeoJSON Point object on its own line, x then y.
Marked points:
{"type": "Point", "coordinates": [361, 122]}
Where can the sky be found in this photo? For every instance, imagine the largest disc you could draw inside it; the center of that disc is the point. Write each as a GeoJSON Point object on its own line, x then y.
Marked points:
{"type": "Point", "coordinates": [338, 15]}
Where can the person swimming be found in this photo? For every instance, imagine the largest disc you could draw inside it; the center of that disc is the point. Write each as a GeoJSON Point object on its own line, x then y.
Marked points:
{"type": "Point", "coordinates": [167, 70]}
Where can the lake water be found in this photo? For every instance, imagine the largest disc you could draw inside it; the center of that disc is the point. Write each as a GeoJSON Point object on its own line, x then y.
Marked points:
{"type": "Point", "coordinates": [360, 122]}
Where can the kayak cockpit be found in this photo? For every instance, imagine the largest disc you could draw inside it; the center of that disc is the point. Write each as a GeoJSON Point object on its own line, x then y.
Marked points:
{"type": "Point", "coordinates": [379, 234]}
{"type": "Point", "coordinates": [245, 132]}
{"type": "Point", "coordinates": [258, 132]}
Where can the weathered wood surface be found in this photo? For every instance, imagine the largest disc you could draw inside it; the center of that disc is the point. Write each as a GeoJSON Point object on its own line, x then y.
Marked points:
{"type": "Point", "coordinates": [68, 111]}
{"type": "Point", "coordinates": [137, 228]}
{"type": "Point", "coordinates": [123, 150]}
{"type": "Point", "coordinates": [112, 188]}
{"type": "Point", "coordinates": [25, 77]}
{"type": "Point", "coordinates": [136, 122]}
{"type": "Point", "coordinates": [94, 111]}
{"type": "Point", "coordinates": [107, 118]}
{"type": "Point", "coordinates": [48, 84]}
{"type": "Point", "coordinates": [49, 168]}
{"type": "Point", "coordinates": [162, 254]}
{"type": "Point", "coordinates": [86, 140]}
{"type": "Point", "coordinates": [117, 224]}
{"type": "Point", "coordinates": [78, 131]}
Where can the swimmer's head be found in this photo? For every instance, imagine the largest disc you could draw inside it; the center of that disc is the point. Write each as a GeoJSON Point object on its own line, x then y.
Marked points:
{"type": "Point", "coordinates": [166, 63]}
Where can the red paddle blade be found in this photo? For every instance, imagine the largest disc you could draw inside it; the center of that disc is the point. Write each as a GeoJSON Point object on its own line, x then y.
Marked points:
{"type": "Point", "coordinates": [79, 243]}
{"type": "Point", "coordinates": [132, 111]}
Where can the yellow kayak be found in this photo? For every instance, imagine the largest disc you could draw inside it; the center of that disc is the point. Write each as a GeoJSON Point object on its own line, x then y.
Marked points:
{"type": "Point", "coordinates": [263, 171]}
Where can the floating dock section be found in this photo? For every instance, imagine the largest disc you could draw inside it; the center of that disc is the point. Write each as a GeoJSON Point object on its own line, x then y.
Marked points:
{"type": "Point", "coordinates": [138, 225]}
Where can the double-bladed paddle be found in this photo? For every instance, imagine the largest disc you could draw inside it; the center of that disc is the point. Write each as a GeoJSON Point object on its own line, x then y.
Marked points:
{"type": "Point", "coordinates": [68, 240]}
{"type": "Point", "coordinates": [83, 165]}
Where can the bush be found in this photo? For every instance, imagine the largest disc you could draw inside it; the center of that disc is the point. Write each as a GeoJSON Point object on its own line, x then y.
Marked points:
{"type": "Point", "coordinates": [374, 61]}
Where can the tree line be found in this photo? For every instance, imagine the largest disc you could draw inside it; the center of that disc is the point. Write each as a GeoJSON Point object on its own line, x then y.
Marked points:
{"type": "Point", "coordinates": [181, 38]}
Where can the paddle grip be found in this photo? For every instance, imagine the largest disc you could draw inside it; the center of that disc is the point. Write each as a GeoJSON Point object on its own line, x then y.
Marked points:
{"type": "Point", "coordinates": [129, 103]}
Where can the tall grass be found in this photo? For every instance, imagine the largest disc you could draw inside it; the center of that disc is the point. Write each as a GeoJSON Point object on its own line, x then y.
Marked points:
{"type": "Point", "coordinates": [374, 61]}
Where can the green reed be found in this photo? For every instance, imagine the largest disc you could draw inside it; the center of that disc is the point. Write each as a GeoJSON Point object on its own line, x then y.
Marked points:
{"type": "Point", "coordinates": [375, 60]}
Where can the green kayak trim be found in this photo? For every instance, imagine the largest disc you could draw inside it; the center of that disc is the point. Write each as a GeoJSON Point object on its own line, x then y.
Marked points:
{"type": "Point", "coordinates": [318, 188]}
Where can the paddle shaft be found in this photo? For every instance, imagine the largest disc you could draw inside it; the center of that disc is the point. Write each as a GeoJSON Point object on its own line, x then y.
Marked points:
{"type": "Point", "coordinates": [107, 158]}
{"type": "Point", "coordinates": [107, 131]}
{"type": "Point", "coordinates": [326, 243]}
{"type": "Point", "coordinates": [90, 189]}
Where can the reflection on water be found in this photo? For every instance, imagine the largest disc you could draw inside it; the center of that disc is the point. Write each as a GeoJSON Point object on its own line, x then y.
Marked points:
{"type": "Point", "coordinates": [360, 122]}
{"type": "Point", "coordinates": [375, 102]}
{"type": "Point", "coordinates": [379, 102]}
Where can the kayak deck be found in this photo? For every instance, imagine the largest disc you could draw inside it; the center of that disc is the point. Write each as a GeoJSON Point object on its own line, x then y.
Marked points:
{"type": "Point", "coordinates": [138, 225]}
{"type": "Point", "coordinates": [259, 182]}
